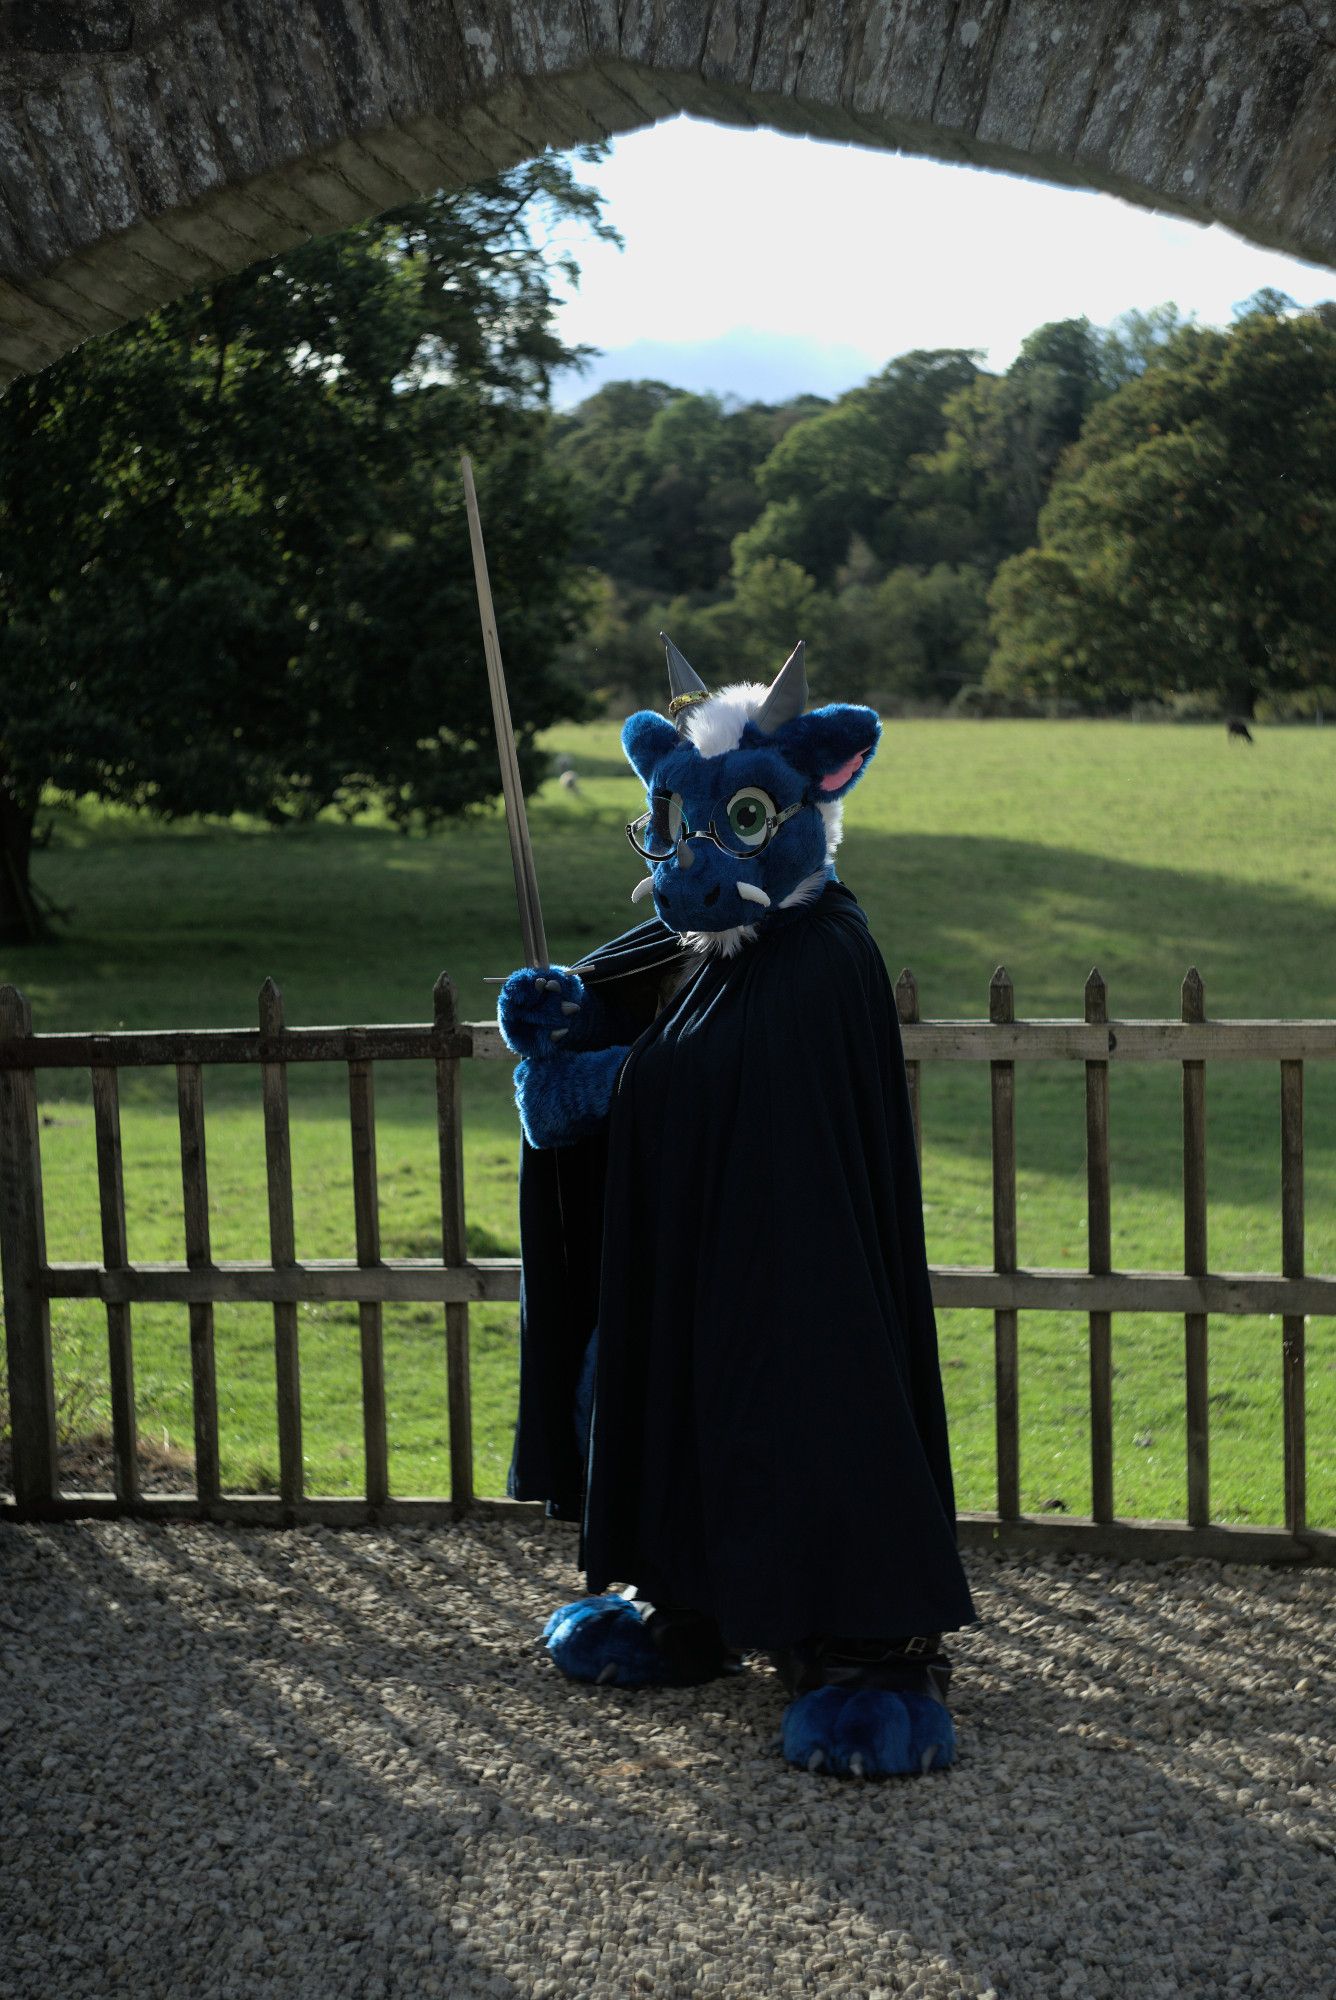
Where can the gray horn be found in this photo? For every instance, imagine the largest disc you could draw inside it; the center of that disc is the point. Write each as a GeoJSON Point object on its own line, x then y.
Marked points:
{"type": "Point", "coordinates": [787, 694]}
{"type": "Point", "coordinates": [682, 679]}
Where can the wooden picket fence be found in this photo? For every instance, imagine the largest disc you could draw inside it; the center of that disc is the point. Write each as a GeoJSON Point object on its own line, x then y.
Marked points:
{"type": "Point", "coordinates": [455, 1280]}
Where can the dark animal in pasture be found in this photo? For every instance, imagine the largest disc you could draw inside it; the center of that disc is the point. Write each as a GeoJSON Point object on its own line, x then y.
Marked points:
{"type": "Point", "coordinates": [1237, 728]}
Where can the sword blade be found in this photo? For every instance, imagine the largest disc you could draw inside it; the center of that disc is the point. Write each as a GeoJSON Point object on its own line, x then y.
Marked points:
{"type": "Point", "coordinates": [517, 820]}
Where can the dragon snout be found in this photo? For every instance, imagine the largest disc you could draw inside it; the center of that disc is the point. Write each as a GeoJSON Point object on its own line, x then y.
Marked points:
{"type": "Point", "coordinates": [715, 896]}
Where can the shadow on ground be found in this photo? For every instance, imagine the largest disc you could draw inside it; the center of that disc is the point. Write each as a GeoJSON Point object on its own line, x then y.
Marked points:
{"type": "Point", "coordinates": [335, 1765]}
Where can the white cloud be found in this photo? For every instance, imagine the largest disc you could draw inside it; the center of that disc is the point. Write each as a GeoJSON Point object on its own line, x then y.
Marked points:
{"type": "Point", "coordinates": [728, 229]}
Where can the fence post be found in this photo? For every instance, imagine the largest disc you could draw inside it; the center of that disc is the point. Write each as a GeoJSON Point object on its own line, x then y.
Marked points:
{"type": "Point", "coordinates": [282, 1249]}
{"type": "Point", "coordinates": [1001, 1010]}
{"type": "Point", "coordinates": [366, 1211]}
{"type": "Point", "coordinates": [1099, 1247]}
{"type": "Point", "coordinates": [1195, 1363]}
{"type": "Point", "coordinates": [115, 1256]}
{"type": "Point", "coordinates": [907, 1007]}
{"type": "Point", "coordinates": [1292, 1264]}
{"type": "Point", "coordinates": [454, 1248]}
{"type": "Point", "coordinates": [195, 1202]}
{"type": "Point", "coordinates": [32, 1396]}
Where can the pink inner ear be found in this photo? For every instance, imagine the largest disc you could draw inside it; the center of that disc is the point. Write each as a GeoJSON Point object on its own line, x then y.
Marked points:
{"type": "Point", "coordinates": [834, 779]}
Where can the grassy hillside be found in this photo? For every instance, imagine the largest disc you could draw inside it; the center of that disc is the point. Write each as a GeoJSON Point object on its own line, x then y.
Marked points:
{"type": "Point", "coordinates": [1047, 846]}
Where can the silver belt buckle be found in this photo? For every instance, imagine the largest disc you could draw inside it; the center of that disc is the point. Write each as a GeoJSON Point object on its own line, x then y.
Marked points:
{"type": "Point", "coordinates": [914, 1647]}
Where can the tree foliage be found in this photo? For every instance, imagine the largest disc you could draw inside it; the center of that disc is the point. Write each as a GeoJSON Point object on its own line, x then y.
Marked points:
{"type": "Point", "coordinates": [893, 505]}
{"type": "Point", "coordinates": [1189, 543]}
{"type": "Point", "coordinates": [235, 569]}
{"type": "Point", "coordinates": [1153, 499]}
{"type": "Point", "coordinates": [846, 470]}
{"type": "Point", "coordinates": [668, 480]}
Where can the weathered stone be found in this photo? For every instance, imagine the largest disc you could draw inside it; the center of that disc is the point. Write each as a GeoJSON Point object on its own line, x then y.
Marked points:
{"type": "Point", "coordinates": [66, 27]}
{"type": "Point", "coordinates": [144, 149]}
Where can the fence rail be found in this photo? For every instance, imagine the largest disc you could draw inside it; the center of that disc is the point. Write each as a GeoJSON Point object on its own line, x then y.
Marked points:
{"type": "Point", "coordinates": [456, 1281]}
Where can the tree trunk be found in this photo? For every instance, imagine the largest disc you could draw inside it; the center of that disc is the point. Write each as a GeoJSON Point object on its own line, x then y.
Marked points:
{"type": "Point", "coordinates": [21, 922]}
{"type": "Point", "coordinates": [1251, 675]}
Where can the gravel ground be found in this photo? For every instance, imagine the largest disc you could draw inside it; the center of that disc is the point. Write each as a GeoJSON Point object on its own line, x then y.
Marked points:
{"type": "Point", "coordinates": [338, 1764]}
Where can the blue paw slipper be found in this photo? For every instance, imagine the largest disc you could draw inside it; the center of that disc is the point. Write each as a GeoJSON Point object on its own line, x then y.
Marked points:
{"type": "Point", "coordinates": [867, 1732]}
{"type": "Point", "coordinates": [603, 1639]}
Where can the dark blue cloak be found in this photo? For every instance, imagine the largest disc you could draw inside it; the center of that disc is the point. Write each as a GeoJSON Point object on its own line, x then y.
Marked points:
{"type": "Point", "coordinates": [768, 1441]}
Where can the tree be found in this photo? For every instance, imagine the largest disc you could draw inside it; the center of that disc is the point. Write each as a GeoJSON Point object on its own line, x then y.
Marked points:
{"type": "Point", "coordinates": [1138, 340]}
{"type": "Point", "coordinates": [745, 636]}
{"type": "Point", "coordinates": [1005, 435]}
{"type": "Point", "coordinates": [667, 480]}
{"type": "Point", "coordinates": [235, 571]}
{"type": "Point", "coordinates": [602, 442]}
{"type": "Point", "coordinates": [1189, 543]}
{"type": "Point", "coordinates": [844, 471]}
{"type": "Point", "coordinates": [914, 635]}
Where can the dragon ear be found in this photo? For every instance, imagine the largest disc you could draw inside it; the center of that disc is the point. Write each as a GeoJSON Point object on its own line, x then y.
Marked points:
{"type": "Point", "coordinates": [831, 747]}
{"type": "Point", "coordinates": [647, 738]}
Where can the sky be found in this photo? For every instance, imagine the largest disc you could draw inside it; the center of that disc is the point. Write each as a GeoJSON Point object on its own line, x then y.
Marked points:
{"type": "Point", "coordinates": [761, 265]}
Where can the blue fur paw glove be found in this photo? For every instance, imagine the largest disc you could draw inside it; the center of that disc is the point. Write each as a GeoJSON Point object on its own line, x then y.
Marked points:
{"type": "Point", "coordinates": [867, 1732]}
{"type": "Point", "coordinates": [562, 1029]}
{"type": "Point", "coordinates": [568, 1098]}
{"type": "Point", "coordinates": [604, 1639]}
{"type": "Point", "coordinates": [546, 1010]}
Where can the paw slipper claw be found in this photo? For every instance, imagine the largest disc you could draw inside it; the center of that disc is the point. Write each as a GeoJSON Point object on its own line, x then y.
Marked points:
{"type": "Point", "coordinates": [866, 1732]}
{"type": "Point", "coordinates": [603, 1640]}
{"type": "Point", "coordinates": [932, 1732]}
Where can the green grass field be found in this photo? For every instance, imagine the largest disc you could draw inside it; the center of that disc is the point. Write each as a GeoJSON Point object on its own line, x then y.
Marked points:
{"type": "Point", "coordinates": [1045, 846]}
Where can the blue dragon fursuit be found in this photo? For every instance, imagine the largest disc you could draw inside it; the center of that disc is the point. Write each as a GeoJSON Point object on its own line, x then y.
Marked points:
{"type": "Point", "coordinates": [728, 1355]}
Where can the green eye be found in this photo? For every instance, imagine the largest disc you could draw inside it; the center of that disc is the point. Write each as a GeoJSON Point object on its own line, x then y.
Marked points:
{"type": "Point", "coordinates": [749, 815]}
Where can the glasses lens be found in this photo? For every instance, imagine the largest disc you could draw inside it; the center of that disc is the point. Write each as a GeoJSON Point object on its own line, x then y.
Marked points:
{"type": "Point", "coordinates": [640, 838]}
{"type": "Point", "coordinates": [661, 827]}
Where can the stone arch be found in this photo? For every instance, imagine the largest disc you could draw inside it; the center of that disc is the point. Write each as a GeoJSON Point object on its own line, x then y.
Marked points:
{"type": "Point", "coordinates": [147, 148]}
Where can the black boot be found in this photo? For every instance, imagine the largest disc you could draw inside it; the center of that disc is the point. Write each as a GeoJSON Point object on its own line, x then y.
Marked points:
{"type": "Point", "coordinates": [691, 1644]}
{"type": "Point", "coordinates": [915, 1665]}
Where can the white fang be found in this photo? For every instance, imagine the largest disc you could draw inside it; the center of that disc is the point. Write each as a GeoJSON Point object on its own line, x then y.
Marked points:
{"type": "Point", "coordinates": [751, 894]}
{"type": "Point", "coordinates": [644, 887]}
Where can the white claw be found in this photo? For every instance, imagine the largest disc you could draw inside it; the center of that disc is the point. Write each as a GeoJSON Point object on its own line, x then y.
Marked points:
{"type": "Point", "coordinates": [644, 887]}
{"type": "Point", "coordinates": [609, 1673]}
{"type": "Point", "coordinates": [570, 1006]}
{"type": "Point", "coordinates": [751, 894]}
{"type": "Point", "coordinates": [817, 1761]}
{"type": "Point", "coordinates": [929, 1758]}
{"type": "Point", "coordinates": [558, 1034]}
{"type": "Point", "coordinates": [856, 1764]}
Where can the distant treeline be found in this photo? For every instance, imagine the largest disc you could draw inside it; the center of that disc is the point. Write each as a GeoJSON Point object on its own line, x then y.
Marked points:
{"type": "Point", "coordinates": [1141, 514]}
{"type": "Point", "coordinates": [235, 571]}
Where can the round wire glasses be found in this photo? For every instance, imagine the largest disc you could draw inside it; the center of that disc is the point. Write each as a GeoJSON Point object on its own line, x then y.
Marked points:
{"type": "Point", "coordinates": [746, 825]}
